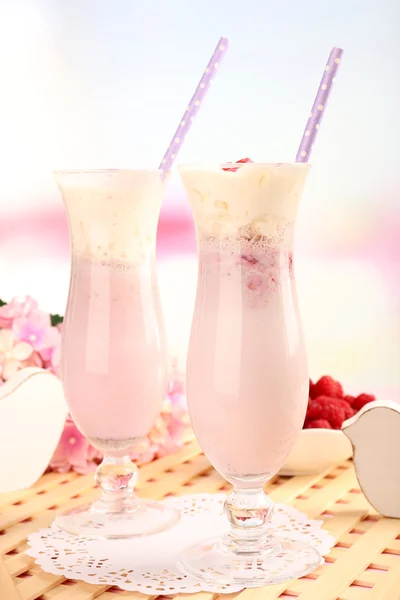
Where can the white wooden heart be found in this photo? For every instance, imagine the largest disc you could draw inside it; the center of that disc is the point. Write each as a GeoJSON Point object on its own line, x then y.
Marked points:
{"type": "Point", "coordinates": [375, 435]}
{"type": "Point", "coordinates": [32, 416]}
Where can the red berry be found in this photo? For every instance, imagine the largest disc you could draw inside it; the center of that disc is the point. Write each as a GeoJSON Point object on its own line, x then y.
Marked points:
{"type": "Point", "coordinates": [311, 388]}
{"type": "Point", "coordinates": [318, 424]}
{"type": "Point", "coordinates": [349, 399]}
{"type": "Point", "coordinates": [348, 410]}
{"type": "Point", "coordinates": [234, 169]}
{"type": "Point", "coordinates": [327, 408]}
{"type": "Point", "coordinates": [291, 267]}
{"type": "Point", "coordinates": [327, 386]}
{"type": "Point", "coordinates": [248, 260]}
{"type": "Point", "coordinates": [361, 401]}
{"type": "Point", "coordinates": [310, 408]}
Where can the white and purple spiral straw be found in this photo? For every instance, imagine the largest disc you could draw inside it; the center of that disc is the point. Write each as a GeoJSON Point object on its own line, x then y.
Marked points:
{"type": "Point", "coordinates": [318, 108]}
{"type": "Point", "coordinates": [193, 106]}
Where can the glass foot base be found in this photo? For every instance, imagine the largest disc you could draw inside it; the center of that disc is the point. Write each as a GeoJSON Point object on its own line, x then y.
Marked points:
{"type": "Point", "coordinates": [212, 562]}
{"type": "Point", "coordinates": [144, 518]}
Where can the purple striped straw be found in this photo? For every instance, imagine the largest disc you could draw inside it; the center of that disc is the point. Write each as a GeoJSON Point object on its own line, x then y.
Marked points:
{"type": "Point", "coordinates": [318, 108]}
{"type": "Point", "coordinates": [194, 105]}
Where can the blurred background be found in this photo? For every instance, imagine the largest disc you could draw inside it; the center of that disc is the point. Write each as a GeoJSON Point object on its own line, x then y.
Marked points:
{"type": "Point", "coordinates": [101, 84]}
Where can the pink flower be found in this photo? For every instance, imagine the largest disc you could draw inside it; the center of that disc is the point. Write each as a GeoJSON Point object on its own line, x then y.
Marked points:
{"type": "Point", "coordinates": [13, 354]}
{"type": "Point", "coordinates": [177, 401]}
{"type": "Point", "coordinates": [52, 357]}
{"type": "Point", "coordinates": [36, 330]}
{"type": "Point", "coordinates": [18, 307]}
{"type": "Point", "coordinates": [74, 451]}
{"type": "Point", "coordinates": [53, 364]}
{"type": "Point", "coordinates": [177, 381]}
{"type": "Point", "coordinates": [144, 451]}
{"type": "Point", "coordinates": [176, 423]}
{"type": "Point", "coordinates": [34, 360]}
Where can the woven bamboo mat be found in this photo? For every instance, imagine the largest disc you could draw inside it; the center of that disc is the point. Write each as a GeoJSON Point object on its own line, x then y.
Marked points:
{"type": "Point", "coordinates": [364, 564]}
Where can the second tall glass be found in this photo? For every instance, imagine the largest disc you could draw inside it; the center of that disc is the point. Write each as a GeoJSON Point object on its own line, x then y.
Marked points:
{"type": "Point", "coordinates": [114, 360]}
{"type": "Point", "coordinates": [247, 379]}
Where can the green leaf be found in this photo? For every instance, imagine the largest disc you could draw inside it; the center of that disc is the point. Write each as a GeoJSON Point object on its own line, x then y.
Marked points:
{"type": "Point", "coordinates": [56, 319]}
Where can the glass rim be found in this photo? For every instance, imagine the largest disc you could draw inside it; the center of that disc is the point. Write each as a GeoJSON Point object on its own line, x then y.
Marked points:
{"type": "Point", "coordinates": [237, 165]}
{"type": "Point", "coordinates": [102, 171]}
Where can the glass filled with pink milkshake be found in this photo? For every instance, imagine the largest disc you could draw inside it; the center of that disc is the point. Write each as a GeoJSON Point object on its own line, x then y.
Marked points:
{"type": "Point", "coordinates": [247, 378]}
{"type": "Point", "coordinates": [114, 359]}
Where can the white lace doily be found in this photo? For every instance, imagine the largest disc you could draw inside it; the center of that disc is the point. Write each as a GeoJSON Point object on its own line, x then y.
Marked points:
{"type": "Point", "coordinates": [149, 564]}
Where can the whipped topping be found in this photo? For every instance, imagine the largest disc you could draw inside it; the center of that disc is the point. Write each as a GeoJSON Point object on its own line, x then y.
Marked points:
{"type": "Point", "coordinates": [112, 215]}
{"type": "Point", "coordinates": [254, 200]}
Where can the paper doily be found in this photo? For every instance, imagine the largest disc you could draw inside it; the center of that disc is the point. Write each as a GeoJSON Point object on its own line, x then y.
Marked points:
{"type": "Point", "coordinates": [149, 564]}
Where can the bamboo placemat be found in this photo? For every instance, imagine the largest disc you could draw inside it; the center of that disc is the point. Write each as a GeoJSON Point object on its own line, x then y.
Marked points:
{"type": "Point", "coordinates": [364, 564]}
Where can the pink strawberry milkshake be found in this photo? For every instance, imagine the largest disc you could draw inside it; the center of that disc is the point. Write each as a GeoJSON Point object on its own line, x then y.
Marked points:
{"type": "Point", "coordinates": [247, 379]}
{"type": "Point", "coordinates": [113, 348]}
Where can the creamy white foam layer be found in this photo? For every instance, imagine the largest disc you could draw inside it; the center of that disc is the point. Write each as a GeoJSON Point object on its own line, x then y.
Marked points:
{"type": "Point", "coordinates": [257, 199]}
{"type": "Point", "coordinates": [112, 215]}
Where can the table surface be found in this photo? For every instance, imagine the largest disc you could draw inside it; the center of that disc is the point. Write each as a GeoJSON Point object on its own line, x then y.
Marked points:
{"type": "Point", "coordinates": [363, 565]}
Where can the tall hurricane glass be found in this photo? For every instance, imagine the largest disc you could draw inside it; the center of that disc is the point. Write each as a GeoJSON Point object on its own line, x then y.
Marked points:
{"type": "Point", "coordinates": [247, 379]}
{"type": "Point", "coordinates": [114, 364]}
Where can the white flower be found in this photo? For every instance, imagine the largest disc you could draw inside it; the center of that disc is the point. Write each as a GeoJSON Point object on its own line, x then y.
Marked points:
{"type": "Point", "coordinates": [12, 353]}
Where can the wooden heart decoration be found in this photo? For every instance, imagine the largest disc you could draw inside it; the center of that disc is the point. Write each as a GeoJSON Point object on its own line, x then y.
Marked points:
{"type": "Point", "coordinates": [375, 435]}
{"type": "Point", "coordinates": [32, 416]}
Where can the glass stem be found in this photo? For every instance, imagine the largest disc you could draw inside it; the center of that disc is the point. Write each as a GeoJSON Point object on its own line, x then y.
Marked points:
{"type": "Point", "coordinates": [116, 477]}
{"type": "Point", "coordinates": [249, 512]}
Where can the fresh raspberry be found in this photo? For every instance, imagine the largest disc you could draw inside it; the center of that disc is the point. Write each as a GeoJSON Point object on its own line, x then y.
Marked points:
{"type": "Point", "coordinates": [234, 169]}
{"type": "Point", "coordinates": [318, 424]}
{"type": "Point", "coordinates": [291, 264]}
{"type": "Point", "coordinates": [349, 399]}
{"type": "Point", "coordinates": [362, 400]}
{"type": "Point", "coordinates": [310, 405]}
{"type": "Point", "coordinates": [348, 410]}
{"type": "Point", "coordinates": [311, 412]}
{"type": "Point", "coordinates": [248, 260]}
{"type": "Point", "coordinates": [327, 386]}
{"type": "Point", "coordinates": [327, 408]}
{"type": "Point", "coordinates": [254, 282]}
{"type": "Point", "coordinates": [311, 388]}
